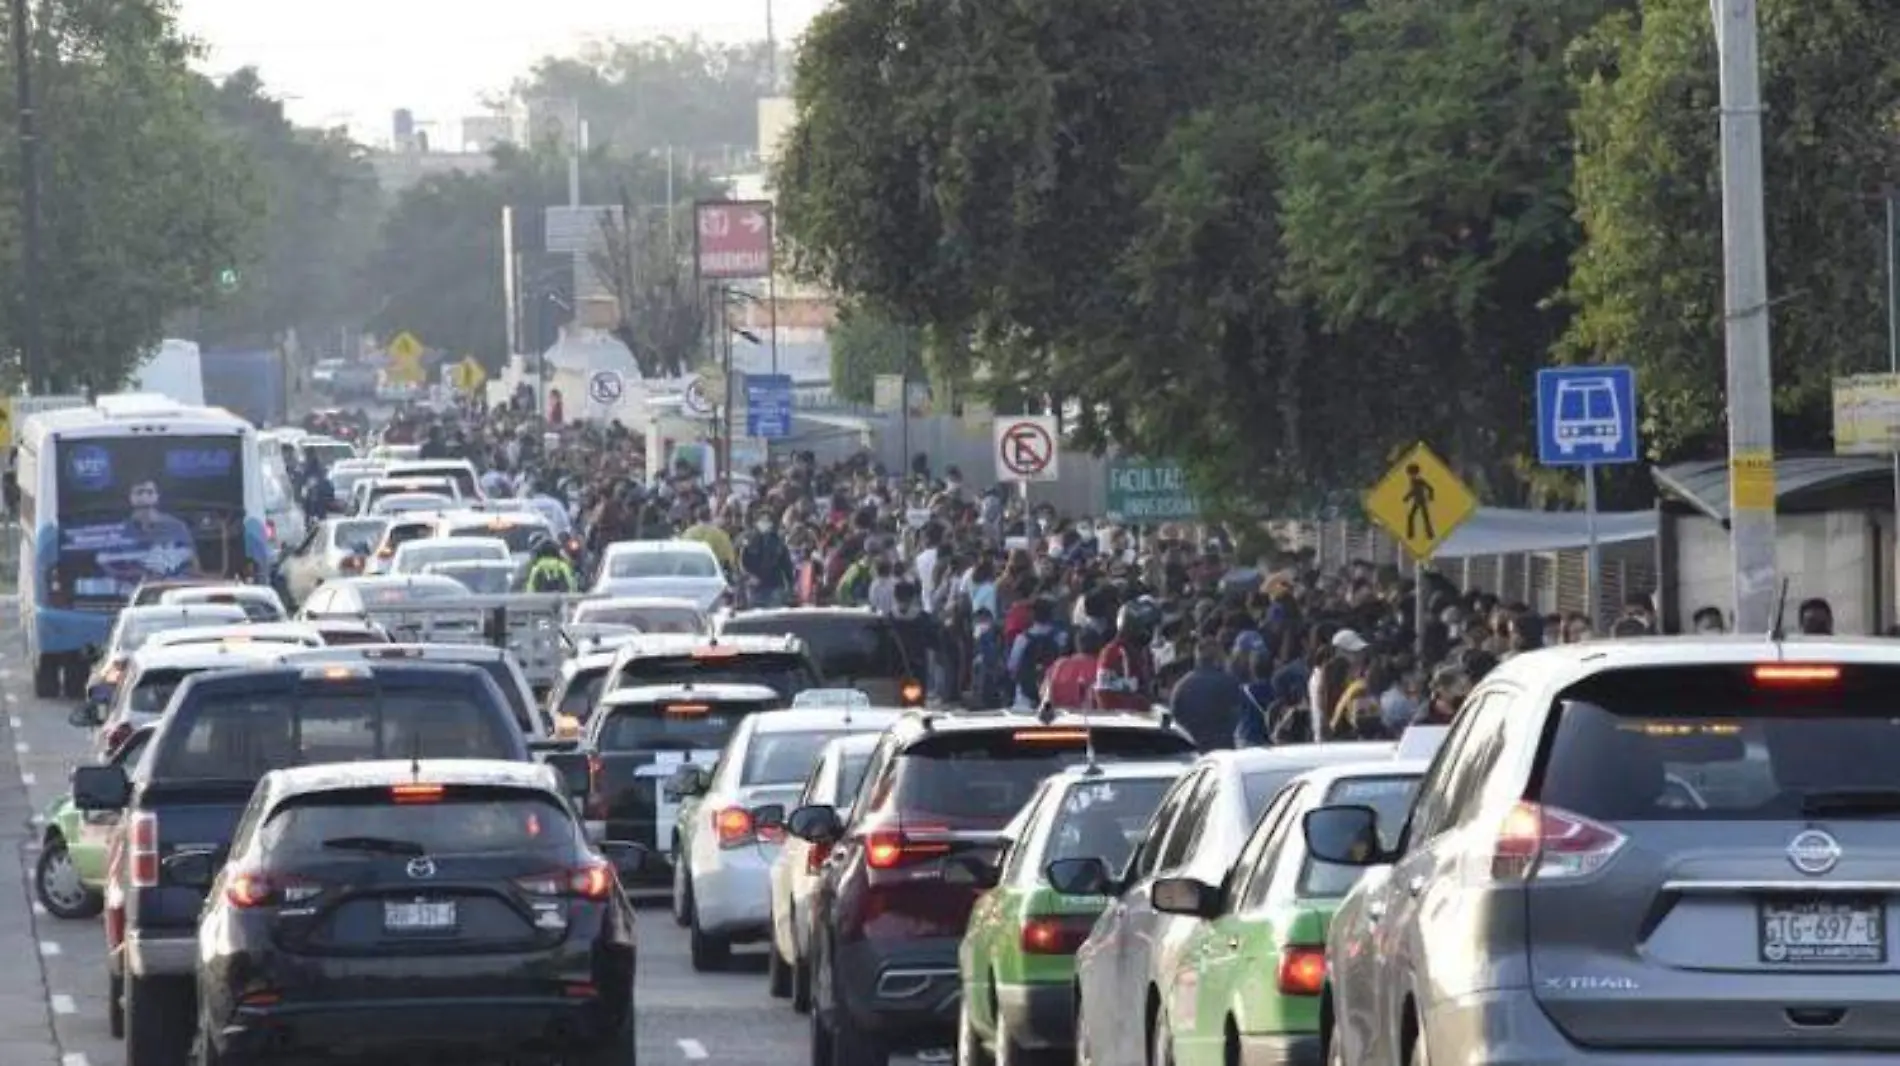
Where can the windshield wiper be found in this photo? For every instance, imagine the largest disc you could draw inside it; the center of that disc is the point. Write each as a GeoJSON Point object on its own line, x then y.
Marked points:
{"type": "Point", "coordinates": [379, 845]}
{"type": "Point", "coordinates": [1852, 801]}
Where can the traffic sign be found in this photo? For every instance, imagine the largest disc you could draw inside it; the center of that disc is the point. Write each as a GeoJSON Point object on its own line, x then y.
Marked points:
{"type": "Point", "coordinates": [1025, 448]}
{"type": "Point", "coordinates": [469, 374]}
{"type": "Point", "coordinates": [605, 387]}
{"type": "Point", "coordinates": [768, 405]}
{"type": "Point", "coordinates": [733, 239]}
{"type": "Point", "coordinates": [6, 418]}
{"type": "Point", "coordinates": [1420, 501]}
{"type": "Point", "coordinates": [405, 359]}
{"type": "Point", "coordinates": [1140, 491]}
{"type": "Point", "coordinates": [696, 401]}
{"type": "Point", "coordinates": [1586, 415]}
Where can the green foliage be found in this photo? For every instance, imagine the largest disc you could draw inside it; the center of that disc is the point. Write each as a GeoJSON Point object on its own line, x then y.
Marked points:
{"type": "Point", "coordinates": [865, 344]}
{"type": "Point", "coordinates": [698, 96]}
{"type": "Point", "coordinates": [1648, 284]}
{"type": "Point", "coordinates": [647, 264]}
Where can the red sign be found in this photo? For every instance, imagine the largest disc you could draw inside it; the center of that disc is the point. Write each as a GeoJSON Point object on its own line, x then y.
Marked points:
{"type": "Point", "coordinates": [734, 239]}
{"type": "Point", "coordinates": [1026, 450]}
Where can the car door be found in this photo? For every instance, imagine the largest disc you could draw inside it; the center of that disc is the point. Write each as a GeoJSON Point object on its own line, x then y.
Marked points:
{"type": "Point", "coordinates": [992, 919]}
{"type": "Point", "coordinates": [790, 874]}
{"type": "Point", "coordinates": [1143, 926]}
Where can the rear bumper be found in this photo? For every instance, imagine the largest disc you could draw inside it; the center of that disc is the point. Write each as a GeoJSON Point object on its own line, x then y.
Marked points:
{"type": "Point", "coordinates": [905, 991]}
{"type": "Point", "coordinates": [733, 895]}
{"type": "Point", "coordinates": [1281, 1049]}
{"type": "Point", "coordinates": [159, 956]}
{"type": "Point", "coordinates": [1038, 1015]}
{"type": "Point", "coordinates": [387, 1026]}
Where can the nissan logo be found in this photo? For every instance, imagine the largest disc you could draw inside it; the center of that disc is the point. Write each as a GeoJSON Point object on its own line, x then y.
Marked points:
{"type": "Point", "coordinates": [421, 869]}
{"type": "Point", "coordinates": [1814, 852]}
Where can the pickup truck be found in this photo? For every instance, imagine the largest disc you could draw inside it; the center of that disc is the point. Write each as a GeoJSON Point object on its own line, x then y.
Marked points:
{"type": "Point", "coordinates": [221, 733]}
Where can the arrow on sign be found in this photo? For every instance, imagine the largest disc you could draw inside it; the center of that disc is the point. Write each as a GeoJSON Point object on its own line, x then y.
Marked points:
{"type": "Point", "coordinates": [754, 222]}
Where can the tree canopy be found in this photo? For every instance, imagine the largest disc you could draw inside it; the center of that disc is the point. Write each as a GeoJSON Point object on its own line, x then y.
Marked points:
{"type": "Point", "coordinates": [699, 96]}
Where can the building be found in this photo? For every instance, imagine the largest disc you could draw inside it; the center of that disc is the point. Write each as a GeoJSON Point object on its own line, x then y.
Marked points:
{"type": "Point", "coordinates": [412, 159]}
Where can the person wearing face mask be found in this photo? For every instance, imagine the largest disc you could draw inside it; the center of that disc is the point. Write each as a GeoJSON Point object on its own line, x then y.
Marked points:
{"type": "Point", "coordinates": [1708, 620]}
{"type": "Point", "coordinates": [767, 564]}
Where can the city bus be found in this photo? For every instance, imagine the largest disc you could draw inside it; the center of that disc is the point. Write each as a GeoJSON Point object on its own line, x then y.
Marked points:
{"type": "Point", "coordinates": [132, 488]}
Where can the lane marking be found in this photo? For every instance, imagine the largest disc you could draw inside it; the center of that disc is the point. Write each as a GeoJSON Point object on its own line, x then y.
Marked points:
{"type": "Point", "coordinates": [692, 1049]}
{"type": "Point", "coordinates": [20, 747]}
{"type": "Point", "coordinates": [29, 779]}
{"type": "Point", "coordinates": [63, 1004]}
{"type": "Point", "coordinates": [74, 1058]}
{"type": "Point", "coordinates": [14, 721]}
{"type": "Point", "coordinates": [39, 910]}
{"type": "Point", "coordinates": [48, 947]}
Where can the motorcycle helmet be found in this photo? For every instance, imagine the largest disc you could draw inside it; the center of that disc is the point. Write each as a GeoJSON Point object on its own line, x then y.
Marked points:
{"type": "Point", "coordinates": [1138, 620]}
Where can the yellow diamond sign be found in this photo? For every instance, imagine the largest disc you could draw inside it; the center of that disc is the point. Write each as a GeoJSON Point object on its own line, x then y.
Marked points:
{"type": "Point", "coordinates": [405, 359]}
{"type": "Point", "coordinates": [469, 374]}
{"type": "Point", "coordinates": [1420, 501]}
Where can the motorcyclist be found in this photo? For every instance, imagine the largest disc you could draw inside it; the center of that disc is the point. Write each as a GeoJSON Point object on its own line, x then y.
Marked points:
{"type": "Point", "coordinates": [1125, 678]}
{"type": "Point", "coordinates": [550, 571]}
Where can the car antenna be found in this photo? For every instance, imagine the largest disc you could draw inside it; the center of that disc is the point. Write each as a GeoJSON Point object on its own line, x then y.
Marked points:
{"type": "Point", "coordinates": [1090, 768]}
{"type": "Point", "coordinates": [1779, 631]}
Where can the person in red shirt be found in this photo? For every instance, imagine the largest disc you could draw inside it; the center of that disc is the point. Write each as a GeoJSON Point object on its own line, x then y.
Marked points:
{"type": "Point", "coordinates": [1070, 684]}
{"type": "Point", "coordinates": [1125, 673]}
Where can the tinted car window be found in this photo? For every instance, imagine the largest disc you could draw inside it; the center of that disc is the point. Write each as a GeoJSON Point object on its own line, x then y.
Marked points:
{"type": "Point", "coordinates": [1104, 820]}
{"type": "Point", "coordinates": [784, 672]}
{"type": "Point", "coordinates": [578, 701]}
{"type": "Point", "coordinates": [137, 633]}
{"type": "Point", "coordinates": [459, 825]}
{"type": "Point", "coordinates": [777, 758]}
{"type": "Point", "coordinates": [245, 735]}
{"type": "Point", "coordinates": [1391, 797]}
{"type": "Point", "coordinates": [843, 648]}
{"type": "Point", "coordinates": [360, 536]}
{"type": "Point", "coordinates": [645, 619]}
{"type": "Point", "coordinates": [520, 536]}
{"type": "Point", "coordinates": [662, 564]}
{"type": "Point", "coordinates": [851, 776]}
{"type": "Point", "coordinates": [154, 690]}
{"type": "Point", "coordinates": [504, 677]}
{"type": "Point", "coordinates": [664, 727]}
{"type": "Point", "coordinates": [1260, 786]}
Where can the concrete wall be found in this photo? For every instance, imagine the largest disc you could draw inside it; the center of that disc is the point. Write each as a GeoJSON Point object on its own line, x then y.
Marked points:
{"type": "Point", "coordinates": [1831, 555]}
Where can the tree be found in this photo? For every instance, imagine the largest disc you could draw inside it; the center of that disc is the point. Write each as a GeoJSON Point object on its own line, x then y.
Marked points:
{"type": "Point", "coordinates": [1647, 284]}
{"type": "Point", "coordinates": [646, 261]}
{"type": "Point", "coordinates": [697, 96]}
{"type": "Point", "coordinates": [866, 344]}
{"type": "Point", "coordinates": [144, 202]}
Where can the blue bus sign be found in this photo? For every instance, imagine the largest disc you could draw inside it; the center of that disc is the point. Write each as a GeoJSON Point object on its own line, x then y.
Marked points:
{"type": "Point", "coordinates": [1586, 415]}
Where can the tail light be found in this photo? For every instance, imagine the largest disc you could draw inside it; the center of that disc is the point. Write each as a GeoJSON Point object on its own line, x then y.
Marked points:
{"type": "Point", "coordinates": [591, 881]}
{"type": "Point", "coordinates": [141, 840]}
{"type": "Point", "coordinates": [418, 792]}
{"type": "Point", "coordinates": [733, 826]}
{"type": "Point", "coordinates": [890, 849]}
{"type": "Point", "coordinates": [1535, 841]}
{"type": "Point", "coordinates": [1058, 934]}
{"type": "Point", "coordinates": [1302, 970]}
{"type": "Point", "coordinates": [912, 693]}
{"type": "Point", "coordinates": [116, 736]}
{"type": "Point", "coordinates": [246, 889]}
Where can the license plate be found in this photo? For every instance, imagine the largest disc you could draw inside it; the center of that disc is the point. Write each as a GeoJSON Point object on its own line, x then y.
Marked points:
{"type": "Point", "coordinates": [419, 917]}
{"type": "Point", "coordinates": [1806, 931]}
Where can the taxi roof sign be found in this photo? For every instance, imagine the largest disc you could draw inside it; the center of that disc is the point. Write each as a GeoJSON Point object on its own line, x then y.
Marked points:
{"type": "Point", "coordinates": [1420, 501]}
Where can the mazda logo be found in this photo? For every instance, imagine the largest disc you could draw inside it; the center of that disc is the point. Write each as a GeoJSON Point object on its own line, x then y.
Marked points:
{"type": "Point", "coordinates": [421, 868]}
{"type": "Point", "coordinates": [1814, 852]}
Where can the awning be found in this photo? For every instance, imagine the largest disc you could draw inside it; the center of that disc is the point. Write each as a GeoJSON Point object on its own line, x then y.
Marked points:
{"type": "Point", "coordinates": [1502, 531]}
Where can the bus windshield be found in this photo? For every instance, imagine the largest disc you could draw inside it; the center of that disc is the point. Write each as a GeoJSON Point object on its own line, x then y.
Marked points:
{"type": "Point", "coordinates": [135, 509]}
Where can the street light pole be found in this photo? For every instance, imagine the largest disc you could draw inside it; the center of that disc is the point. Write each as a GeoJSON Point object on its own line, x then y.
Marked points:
{"type": "Point", "coordinates": [32, 351]}
{"type": "Point", "coordinates": [1751, 433]}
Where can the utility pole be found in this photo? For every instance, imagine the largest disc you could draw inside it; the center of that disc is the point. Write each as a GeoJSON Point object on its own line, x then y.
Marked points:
{"type": "Point", "coordinates": [1751, 433]}
{"type": "Point", "coordinates": [771, 53]}
{"type": "Point", "coordinates": [32, 344]}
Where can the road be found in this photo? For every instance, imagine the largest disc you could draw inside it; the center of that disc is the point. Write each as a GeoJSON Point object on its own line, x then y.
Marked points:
{"type": "Point", "coordinates": [54, 1013]}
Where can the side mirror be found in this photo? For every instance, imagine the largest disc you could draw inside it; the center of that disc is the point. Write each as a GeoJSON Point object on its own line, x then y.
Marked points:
{"type": "Point", "coordinates": [970, 871]}
{"type": "Point", "coordinates": [1345, 836]}
{"type": "Point", "coordinates": [1078, 877]}
{"type": "Point", "coordinates": [816, 823]}
{"type": "Point", "coordinates": [85, 716]}
{"type": "Point", "coordinates": [629, 859]}
{"type": "Point", "coordinates": [576, 778]}
{"type": "Point", "coordinates": [192, 869]}
{"type": "Point", "coordinates": [101, 788]}
{"type": "Point", "coordinates": [687, 781]}
{"type": "Point", "coordinates": [769, 816]}
{"type": "Point", "coordinates": [1184, 895]}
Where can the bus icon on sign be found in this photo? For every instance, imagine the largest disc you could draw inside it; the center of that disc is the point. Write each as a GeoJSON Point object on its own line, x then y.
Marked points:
{"type": "Point", "coordinates": [1587, 416]}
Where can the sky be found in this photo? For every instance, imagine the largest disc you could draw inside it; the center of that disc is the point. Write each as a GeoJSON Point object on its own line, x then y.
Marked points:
{"type": "Point", "coordinates": [356, 61]}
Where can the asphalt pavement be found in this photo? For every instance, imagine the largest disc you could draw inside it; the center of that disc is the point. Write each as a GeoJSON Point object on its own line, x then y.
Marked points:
{"type": "Point", "coordinates": [53, 996]}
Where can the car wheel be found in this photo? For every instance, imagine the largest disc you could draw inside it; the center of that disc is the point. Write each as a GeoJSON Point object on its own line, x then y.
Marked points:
{"type": "Point", "coordinates": [159, 1019]}
{"type": "Point", "coordinates": [970, 1049]}
{"type": "Point", "coordinates": [1162, 1051]}
{"type": "Point", "coordinates": [115, 1006]}
{"type": "Point", "coordinates": [710, 953]}
{"type": "Point", "coordinates": [778, 973]}
{"type": "Point", "coordinates": [1421, 1055]}
{"type": "Point", "coordinates": [620, 1050]}
{"type": "Point", "coordinates": [682, 894]}
{"type": "Point", "coordinates": [56, 882]}
{"type": "Point", "coordinates": [74, 686]}
{"type": "Point", "coordinates": [46, 677]}
{"type": "Point", "coordinates": [1335, 1044]}
{"type": "Point", "coordinates": [801, 986]}
{"type": "Point", "coordinates": [1082, 1056]}
{"type": "Point", "coordinates": [852, 1047]}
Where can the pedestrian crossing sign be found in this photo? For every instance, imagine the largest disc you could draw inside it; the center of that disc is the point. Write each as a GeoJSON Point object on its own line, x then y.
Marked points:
{"type": "Point", "coordinates": [1420, 501]}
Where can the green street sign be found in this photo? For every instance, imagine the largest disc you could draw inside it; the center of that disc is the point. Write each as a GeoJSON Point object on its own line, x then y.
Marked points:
{"type": "Point", "coordinates": [1141, 491]}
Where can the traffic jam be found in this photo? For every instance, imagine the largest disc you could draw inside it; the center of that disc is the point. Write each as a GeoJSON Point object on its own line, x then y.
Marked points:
{"type": "Point", "coordinates": [429, 781]}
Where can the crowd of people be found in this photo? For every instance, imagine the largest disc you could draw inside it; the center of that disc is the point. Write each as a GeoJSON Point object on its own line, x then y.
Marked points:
{"type": "Point", "coordinates": [1011, 604]}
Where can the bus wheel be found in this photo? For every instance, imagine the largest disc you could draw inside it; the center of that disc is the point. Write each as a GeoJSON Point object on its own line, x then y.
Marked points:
{"type": "Point", "coordinates": [46, 677]}
{"type": "Point", "coordinates": [76, 671]}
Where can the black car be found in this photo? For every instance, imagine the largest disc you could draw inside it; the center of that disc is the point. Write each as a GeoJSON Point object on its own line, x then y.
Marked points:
{"type": "Point", "coordinates": [886, 921]}
{"type": "Point", "coordinates": [414, 910]}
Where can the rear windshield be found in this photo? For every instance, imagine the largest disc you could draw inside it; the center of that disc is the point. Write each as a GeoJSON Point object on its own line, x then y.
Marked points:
{"type": "Point", "coordinates": [1391, 797]}
{"type": "Point", "coordinates": [154, 690]}
{"type": "Point", "coordinates": [136, 633]}
{"type": "Point", "coordinates": [408, 488]}
{"type": "Point", "coordinates": [785, 673]}
{"type": "Point", "coordinates": [415, 557]}
{"type": "Point", "coordinates": [662, 564]}
{"type": "Point", "coordinates": [519, 535]}
{"type": "Point", "coordinates": [674, 727]}
{"type": "Point", "coordinates": [345, 824]}
{"type": "Point", "coordinates": [342, 638]}
{"type": "Point", "coordinates": [981, 778]}
{"type": "Point", "coordinates": [1104, 819]}
{"type": "Point", "coordinates": [845, 649]}
{"type": "Point", "coordinates": [244, 735]}
{"type": "Point", "coordinates": [399, 535]}
{"type": "Point", "coordinates": [460, 475]}
{"type": "Point", "coordinates": [578, 701]}
{"type": "Point", "coordinates": [504, 677]}
{"type": "Point", "coordinates": [645, 619]}
{"type": "Point", "coordinates": [360, 536]}
{"type": "Point", "coordinates": [1261, 786]}
{"type": "Point", "coordinates": [394, 592]}
{"type": "Point", "coordinates": [479, 580]}
{"type": "Point", "coordinates": [784, 758]}
{"type": "Point", "coordinates": [1716, 744]}
{"type": "Point", "coordinates": [255, 608]}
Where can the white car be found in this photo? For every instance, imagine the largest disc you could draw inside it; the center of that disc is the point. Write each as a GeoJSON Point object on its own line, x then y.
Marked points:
{"type": "Point", "coordinates": [152, 674]}
{"type": "Point", "coordinates": [670, 569]}
{"type": "Point", "coordinates": [260, 603]}
{"type": "Point", "coordinates": [644, 614]}
{"type": "Point", "coordinates": [274, 633]}
{"type": "Point", "coordinates": [416, 554]}
{"type": "Point", "coordinates": [725, 858]}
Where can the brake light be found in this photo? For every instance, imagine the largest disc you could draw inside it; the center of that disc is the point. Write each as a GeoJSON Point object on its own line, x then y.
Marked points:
{"type": "Point", "coordinates": [141, 840]}
{"type": "Point", "coordinates": [593, 880]}
{"type": "Point", "coordinates": [912, 693]}
{"type": "Point", "coordinates": [1796, 674]}
{"type": "Point", "coordinates": [1056, 934]}
{"type": "Point", "coordinates": [733, 826]}
{"type": "Point", "coordinates": [416, 793]}
{"type": "Point", "coordinates": [1302, 970]}
{"type": "Point", "coordinates": [1535, 841]}
{"type": "Point", "coordinates": [715, 651]}
{"type": "Point", "coordinates": [687, 709]}
{"type": "Point", "coordinates": [888, 849]}
{"type": "Point", "coordinates": [1051, 736]}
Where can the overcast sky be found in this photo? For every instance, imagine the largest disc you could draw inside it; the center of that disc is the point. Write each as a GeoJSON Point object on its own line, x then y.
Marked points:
{"type": "Point", "coordinates": [356, 61]}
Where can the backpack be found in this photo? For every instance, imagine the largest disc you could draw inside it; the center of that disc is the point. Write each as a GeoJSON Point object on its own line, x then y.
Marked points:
{"type": "Point", "coordinates": [855, 585]}
{"type": "Point", "coordinates": [1039, 654]}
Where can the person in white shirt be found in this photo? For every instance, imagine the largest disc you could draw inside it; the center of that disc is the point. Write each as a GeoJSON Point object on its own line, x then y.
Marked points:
{"type": "Point", "coordinates": [926, 561]}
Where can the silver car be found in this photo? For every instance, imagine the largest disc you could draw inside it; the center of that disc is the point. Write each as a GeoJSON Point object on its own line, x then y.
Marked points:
{"type": "Point", "coordinates": [1636, 852]}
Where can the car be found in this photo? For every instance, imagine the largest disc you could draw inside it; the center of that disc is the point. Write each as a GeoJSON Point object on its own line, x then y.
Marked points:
{"type": "Point", "coordinates": [260, 603]}
{"type": "Point", "coordinates": [365, 494]}
{"type": "Point", "coordinates": [583, 675]}
{"type": "Point", "coordinates": [413, 556]}
{"type": "Point", "coordinates": [246, 633]}
{"type": "Point", "coordinates": [645, 614]}
{"type": "Point", "coordinates": [519, 529]}
{"type": "Point", "coordinates": [340, 632]}
{"type": "Point", "coordinates": [398, 503]}
{"type": "Point", "coordinates": [723, 854]}
{"type": "Point", "coordinates": [673, 569]}
{"type": "Point", "coordinates": [334, 548]}
{"type": "Point", "coordinates": [1016, 964]}
{"type": "Point", "coordinates": [833, 783]}
{"type": "Point", "coordinates": [1252, 962]}
{"type": "Point", "coordinates": [886, 923]}
{"type": "Point", "coordinates": [481, 577]}
{"type": "Point", "coordinates": [466, 884]}
{"type": "Point", "coordinates": [69, 878]}
{"type": "Point", "coordinates": [672, 659]}
{"type": "Point", "coordinates": [136, 626]}
{"type": "Point", "coordinates": [497, 663]}
{"type": "Point", "coordinates": [458, 472]}
{"type": "Point", "coordinates": [152, 674]}
{"type": "Point", "coordinates": [852, 648]}
{"type": "Point", "coordinates": [354, 599]}
{"type": "Point", "coordinates": [1197, 831]}
{"type": "Point", "coordinates": [397, 531]}
{"type": "Point", "coordinates": [1633, 851]}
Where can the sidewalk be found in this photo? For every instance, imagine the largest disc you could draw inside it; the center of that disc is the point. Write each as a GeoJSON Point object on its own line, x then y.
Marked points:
{"type": "Point", "coordinates": [26, 1023]}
